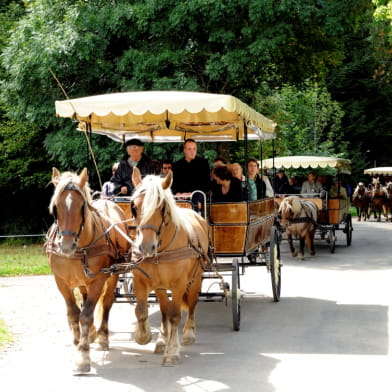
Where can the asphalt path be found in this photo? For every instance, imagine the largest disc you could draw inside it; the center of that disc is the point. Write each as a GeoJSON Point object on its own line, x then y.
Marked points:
{"type": "Point", "coordinates": [331, 331]}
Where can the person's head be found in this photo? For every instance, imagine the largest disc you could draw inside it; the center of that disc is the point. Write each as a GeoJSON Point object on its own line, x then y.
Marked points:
{"type": "Point", "coordinates": [134, 149]}
{"type": "Point", "coordinates": [280, 173]}
{"type": "Point", "coordinates": [292, 181]}
{"type": "Point", "coordinates": [221, 173]}
{"type": "Point", "coordinates": [115, 167]}
{"type": "Point", "coordinates": [236, 170]}
{"type": "Point", "coordinates": [166, 166]}
{"type": "Point", "coordinates": [190, 149]}
{"type": "Point", "coordinates": [253, 168]}
{"type": "Point", "coordinates": [311, 177]}
{"type": "Point", "coordinates": [219, 161]}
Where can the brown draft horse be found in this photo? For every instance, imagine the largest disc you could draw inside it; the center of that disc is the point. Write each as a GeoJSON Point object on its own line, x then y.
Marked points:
{"type": "Point", "coordinates": [388, 201]}
{"type": "Point", "coordinates": [86, 236]}
{"type": "Point", "coordinates": [299, 218]}
{"type": "Point", "coordinates": [361, 199]}
{"type": "Point", "coordinates": [378, 199]}
{"type": "Point", "coordinates": [171, 250]}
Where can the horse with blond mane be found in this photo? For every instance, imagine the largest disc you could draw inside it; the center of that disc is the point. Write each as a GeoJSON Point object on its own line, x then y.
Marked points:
{"type": "Point", "coordinates": [388, 201]}
{"type": "Point", "coordinates": [299, 217]}
{"type": "Point", "coordinates": [377, 199]}
{"type": "Point", "coordinates": [171, 250]}
{"type": "Point", "coordinates": [86, 237]}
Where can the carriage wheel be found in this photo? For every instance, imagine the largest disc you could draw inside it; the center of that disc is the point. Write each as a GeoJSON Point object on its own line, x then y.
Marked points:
{"type": "Point", "coordinates": [349, 229]}
{"type": "Point", "coordinates": [235, 296]}
{"type": "Point", "coordinates": [274, 264]}
{"type": "Point", "coordinates": [332, 240]}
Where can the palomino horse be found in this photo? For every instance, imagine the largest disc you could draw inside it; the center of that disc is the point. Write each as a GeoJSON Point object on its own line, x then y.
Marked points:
{"type": "Point", "coordinates": [85, 237]}
{"type": "Point", "coordinates": [171, 251]}
{"type": "Point", "coordinates": [361, 199]}
{"type": "Point", "coordinates": [378, 198]}
{"type": "Point", "coordinates": [299, 217]}
{"type": "Point", "coordinates": [388, 201]}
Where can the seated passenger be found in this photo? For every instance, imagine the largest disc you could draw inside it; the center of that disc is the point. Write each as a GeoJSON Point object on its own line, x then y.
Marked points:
{"type": "Point", "coordinates": [229, 189]}
{"type": "Point", "coordinates": [108, 186]}
{"type": "Point", "coordinates": [311, 186]}
{"type": "Point", "coordinates": [337, 190]}
{"type": "Point", "coordinates": [256, 185]}
{"type": "Point", "coordinates": [281, 183]}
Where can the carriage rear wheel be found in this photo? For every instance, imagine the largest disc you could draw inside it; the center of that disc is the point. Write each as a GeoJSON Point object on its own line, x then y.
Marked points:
{"type": "Point", "coordinates": [332, 240]}
{"type": "Point", "coordinates": [236, 296]}
{"type": "Point", "coordinates": [349, 229]}
{"type": "Point", "coordinates": [274, 264]}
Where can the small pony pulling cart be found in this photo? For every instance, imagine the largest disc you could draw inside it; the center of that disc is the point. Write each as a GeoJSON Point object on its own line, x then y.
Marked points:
{"type": "Point", "coordinates": [171, 248]}
{"type": "Point", "coordinates": [310, 214]}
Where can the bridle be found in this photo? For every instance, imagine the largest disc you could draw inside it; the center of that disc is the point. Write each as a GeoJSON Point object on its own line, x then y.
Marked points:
{"type": "Point", "coordinates": [71, 186]}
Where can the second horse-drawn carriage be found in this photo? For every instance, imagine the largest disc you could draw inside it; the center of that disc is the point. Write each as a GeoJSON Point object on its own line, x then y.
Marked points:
{"type": "Point", "coordinates": [239, 234]}
{"type": "Point", "coordinates": [333, 213]}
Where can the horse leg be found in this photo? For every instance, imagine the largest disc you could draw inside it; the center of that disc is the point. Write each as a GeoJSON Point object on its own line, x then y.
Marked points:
{"type": "Point", "coordinates": [161, 342]}
{"type": "Point", "coordinates": [172, 353]}
{"type": "Point", "coordinates": [301, 253]}
{"type": "Point", "coordinates": [291, 245]}
{"type": "Point", "coordinates": [310, 242]}
{"type": "Point", "coordinates": [73, 311]}
{"type": "Point", "coordinates": [359, 213]}
{"type": "Point", "coordinates": [143, 333]}
{"type": "Point", "coordinates": [102, 314]}
{"type": "Point", "coordinates": [191, 297]}
{"type": "Point", "coordinates": [86, 319]}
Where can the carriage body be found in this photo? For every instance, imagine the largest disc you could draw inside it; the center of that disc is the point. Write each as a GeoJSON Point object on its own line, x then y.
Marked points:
{"type": "Point", "coordinates": [240, 233]}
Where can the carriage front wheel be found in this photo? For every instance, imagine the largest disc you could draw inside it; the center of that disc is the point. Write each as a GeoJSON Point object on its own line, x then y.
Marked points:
{"type": "Point", "coordinates": [274, 265]}
{"type": "Point", "coordinates": [332, 240]}
{"type": "Point", "coordinates": [236, 296]}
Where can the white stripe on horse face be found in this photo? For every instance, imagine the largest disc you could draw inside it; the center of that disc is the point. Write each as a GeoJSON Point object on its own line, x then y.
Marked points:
{"type": "Point", "coordinates": [68, 202]}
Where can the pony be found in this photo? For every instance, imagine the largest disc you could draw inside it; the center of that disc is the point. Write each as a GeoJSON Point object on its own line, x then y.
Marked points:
{"type": "Point", "coordinates": [388, 201]}
{"type": "Point", "coordinates": [171, 250]}
{"type": "Point", "coordinates": [85, 237]}
{"type": "Point", "coordinates": [361, 199]}
{"type": "Point", "coordinates": [299, 217]}
{"type": "Point", "coordinates": [377, 199]}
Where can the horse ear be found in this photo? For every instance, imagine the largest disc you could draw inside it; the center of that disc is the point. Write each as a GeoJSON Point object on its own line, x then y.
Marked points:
{"type": "Point", "coordinates": [55, 176]}
{"type": "Point", "coordinates": [136, 177]}
{"type": "Point", "coordinates": [83, 177]}
{"type": "Point", "coordinates": [167, 181]}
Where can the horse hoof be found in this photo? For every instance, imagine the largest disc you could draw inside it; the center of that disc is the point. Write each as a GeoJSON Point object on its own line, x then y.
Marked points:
{"type": "Point", "coordinates": [301, 256]}
{"type": "Point", "coordinates": [171, 360]}
{"type": "Point", "coordinates": [82, 368]}
{"type": "Point", "coordinates": [294, 254]}
{"type": "Point", "coordinates": [187, 341]}
{"type": "Point", "coordinates": [312, 253]}
{"type": "Point", "coordinates": [160, 348]}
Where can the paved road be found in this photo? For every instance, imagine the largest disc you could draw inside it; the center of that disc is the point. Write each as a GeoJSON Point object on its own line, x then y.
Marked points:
{"type": "Point", "coordinates": [330, 332]}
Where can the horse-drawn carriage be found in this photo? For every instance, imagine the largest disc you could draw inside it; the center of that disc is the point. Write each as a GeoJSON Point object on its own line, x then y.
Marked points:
{"type": "Point", "coordinates": [379, 197]}
{"type": "Point", "coordinates": [240, 234]}
{"type": "Point", "coordinates": [333, 213]}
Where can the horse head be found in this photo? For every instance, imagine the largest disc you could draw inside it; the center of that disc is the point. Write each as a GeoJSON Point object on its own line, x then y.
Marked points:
{"type": "Point", "coordinates": [68, 206]}
{"type": "Point", "coordinates": [290, 207]}
{"type": "Point", "coordinates": [152, 206]}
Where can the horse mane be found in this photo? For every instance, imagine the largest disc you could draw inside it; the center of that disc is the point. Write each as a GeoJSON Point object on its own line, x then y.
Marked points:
{"type": "Point", "coordinates": [63, 181]}
{"type": "Point", "coordinates": [154, 196]}
{"type": "Point", "coordinates": [293, 204]}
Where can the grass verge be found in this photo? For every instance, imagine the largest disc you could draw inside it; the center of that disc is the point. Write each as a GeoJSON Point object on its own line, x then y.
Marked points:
{"type": "Point", "coordinates": [5, 335]}
{"type": "Point", "coordinates": [17, 260]}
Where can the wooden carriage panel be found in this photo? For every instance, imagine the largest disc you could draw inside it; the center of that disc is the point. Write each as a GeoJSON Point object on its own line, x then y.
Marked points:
{"type": "Point", "coordinates": [231, 213]}
{"type": "Point", "coordinates": [260, 208]}
{"type": "Point", "coordinates": [228, 239]}
{"type": "Point", "coordinates": [337, 210]}
{"type": "Point", "coordinates": [259, 232]}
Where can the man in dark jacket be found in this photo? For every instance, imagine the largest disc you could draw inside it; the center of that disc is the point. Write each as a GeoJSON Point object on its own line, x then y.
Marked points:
{"type": "Point", "coordinates": [281, 183]}
{"type": "Point", "coordinates": [134, 156]}
{"type": "Point", "coordinates": [191, 173]}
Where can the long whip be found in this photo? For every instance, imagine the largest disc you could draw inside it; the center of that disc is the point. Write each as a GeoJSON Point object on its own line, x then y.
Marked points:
{"type": "Point", "coordinates": [83, 130]}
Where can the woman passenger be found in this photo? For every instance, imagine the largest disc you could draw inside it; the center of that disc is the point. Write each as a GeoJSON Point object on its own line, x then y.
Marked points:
{"type": "Point", "coordinates": [229, 188]}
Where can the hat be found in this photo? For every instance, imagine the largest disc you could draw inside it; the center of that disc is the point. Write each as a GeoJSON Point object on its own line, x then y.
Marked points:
{"type": "Point", "coordinates": [134, 142]}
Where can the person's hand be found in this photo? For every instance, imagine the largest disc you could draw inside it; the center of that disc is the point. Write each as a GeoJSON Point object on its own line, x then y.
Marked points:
{"type": "Point", "coordinates": [124, 190]}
